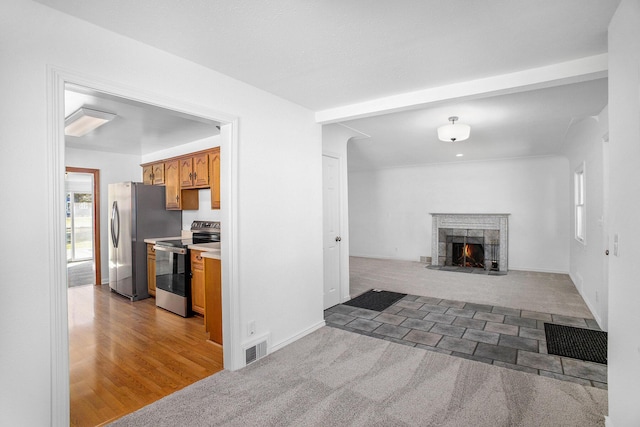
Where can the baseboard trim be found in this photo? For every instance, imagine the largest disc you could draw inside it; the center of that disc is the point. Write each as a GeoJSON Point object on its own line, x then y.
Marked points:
{"type": "Point", "coordinates": [538, 270]}
{"type": "Point", "coordinates": [607, 422]}
{"type": "Point", "coordinates": [297, 336]}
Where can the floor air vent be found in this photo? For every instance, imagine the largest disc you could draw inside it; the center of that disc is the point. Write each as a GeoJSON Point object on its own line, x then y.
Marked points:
{"type": "Point", "coordinates": [255, 352]}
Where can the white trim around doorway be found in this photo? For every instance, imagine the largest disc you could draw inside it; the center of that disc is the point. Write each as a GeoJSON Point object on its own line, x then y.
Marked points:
{"type": "Point", "coordinates": [56, 80]}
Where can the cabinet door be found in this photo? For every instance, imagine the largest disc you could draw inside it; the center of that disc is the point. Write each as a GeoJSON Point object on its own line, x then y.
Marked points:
{"type": "Point", "coordinates": [214, 178]}
{"type": "Point", "coordinates": [147, 175]}
{"type": "Point", "coordinates": [172, 184]}
{"type": "Point", "coordinates": [186, 172]}
{"type": "Point", "coordinates": [158, 174]}
{"type": "Point", "coordinates": [201, 170]}
{"type": "Point", "coordinates": [197, 282]}
{"type": "Point", "coordinates": [213, 299]}
{"type": "Point", "coordinates": [151, 269]}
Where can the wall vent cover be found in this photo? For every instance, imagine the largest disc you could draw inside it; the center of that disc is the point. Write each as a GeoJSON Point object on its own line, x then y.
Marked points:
{"type": "Point", "coordinates": [255, 352]}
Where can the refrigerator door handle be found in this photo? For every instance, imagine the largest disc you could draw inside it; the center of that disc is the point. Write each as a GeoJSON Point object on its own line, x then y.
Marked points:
{"type": "Point", "coordinates": [115, 218]}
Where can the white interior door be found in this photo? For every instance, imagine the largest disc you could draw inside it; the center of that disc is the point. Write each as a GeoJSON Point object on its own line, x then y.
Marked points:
{"type": "Point", "coordinates": [331, 228]}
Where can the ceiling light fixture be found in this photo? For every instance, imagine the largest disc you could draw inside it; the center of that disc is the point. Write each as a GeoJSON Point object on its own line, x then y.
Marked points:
{"type": "Point", "coordinates": [84, 120]}
{"type": "Point", "coordinates": [454, 132]}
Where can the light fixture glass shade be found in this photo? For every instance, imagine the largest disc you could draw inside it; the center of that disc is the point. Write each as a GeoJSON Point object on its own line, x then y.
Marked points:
{"type": "Point", "coordinates": [84, 120]}
{"type": "Point", "coordinates": [454, 132]}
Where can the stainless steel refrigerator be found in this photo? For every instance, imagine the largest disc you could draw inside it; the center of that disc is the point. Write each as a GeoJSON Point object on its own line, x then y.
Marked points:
{"type": "Point", "coordinates": [137, 212]}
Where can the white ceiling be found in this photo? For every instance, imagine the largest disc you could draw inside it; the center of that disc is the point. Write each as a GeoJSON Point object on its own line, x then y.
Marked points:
{"type": "Point", "coordinates": [137, 128]}
{"type": "Point", "coordinates": [327, 54]}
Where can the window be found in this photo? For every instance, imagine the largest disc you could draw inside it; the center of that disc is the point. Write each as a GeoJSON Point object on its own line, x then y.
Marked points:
{"type": "Point", "coordinates": [580, 214]}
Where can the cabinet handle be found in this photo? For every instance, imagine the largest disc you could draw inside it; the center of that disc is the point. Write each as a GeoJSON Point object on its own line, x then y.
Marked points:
{"type": "Point", "coordinates": [199, 258]}
{"type": "Point", "coordinates": [195, 175]}
{"type": "Point", "coordinates": [177, 198]}
{"type": "Point", "coordinates": [191, 175]}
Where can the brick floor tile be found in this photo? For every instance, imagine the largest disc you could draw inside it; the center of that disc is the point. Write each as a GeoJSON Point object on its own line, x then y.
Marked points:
{"type": "Point", "coordinates": [410, 297]}
{"type": "Point", "coordinates": [461, 312]}
{"type": "Point", "coordinates": [440, 318]}
{"type": "Point", "coordinates": [389, 318]}
{"type": "Point", "coordinates": [501, 328]}
{"type": "Point", "coordinates": [429, 300]}
{"type": "Point", "coordinates": [363, 324]}
{"type": "Point", "coordinates": [491, 317]}
{"type": "Point", "coordinates": [469, 323]}
{"type": "Point", "coordinates": [391, 331]}
{"type": "Point", "coordinates": [478, 307]}
{"type": "Point", "coordinates": [423, 325]}
{"type": "Point", "coordinates": [520, 321]}
{"type": "Point", "coordinates": [449, 330]}
{"type": "Point", "coordinates": [451, 303]}
{"type": "Point", "coordinates": [592, 324]}
{"type": "Point", "coordinates": [473, 357]}
{"type": "Point", "coordinates": [518, 343]}
{"type": "Point", "coordinates": [535, 315]}
{"type": "Point", "coordinates": [515, 367]}
{"type": "Point", "coordinates": [570, 321]}
{"type": "Point", "coordinates": [584, 369]}
{"type": "Point", "coordinates": [496, 352]}
{"type": "Point", "coordinates": [536, 334]}
{"type": "Point", "coordinates": [434, 308]}
{"type": "Point", "coordinates": [413, 305]}
{"type": "Point", "coordinates": [393, 309]}
{"type": "Point", "coordinates": [457, 344]}
{"type": "Point", "coordinates": [339, 319]}
{"type": "Point", "coordinates": [363, 313]}
{"type": "Point", "coordinates": [422, 337]}
{"type": "Point", "coordinates": [342, 309]}
{"type": "Point", "coordinates": [506, 311]}
{"type": "Point", "coordinates": [544, 362]}
{"type": "Point", "coordinates": [481, 336]}
{"type": "Point", "coordinates": [542, 347]}
{"type": "Point", "coordinates": [414, 314]}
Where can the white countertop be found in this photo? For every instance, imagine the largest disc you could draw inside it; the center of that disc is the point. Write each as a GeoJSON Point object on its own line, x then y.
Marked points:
{"type": "Point", "coordinates": [153, 240]}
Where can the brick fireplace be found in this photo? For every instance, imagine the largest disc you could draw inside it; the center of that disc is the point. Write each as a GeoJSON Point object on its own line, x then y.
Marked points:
{"type": "Point", "coordinates": [470, 240]}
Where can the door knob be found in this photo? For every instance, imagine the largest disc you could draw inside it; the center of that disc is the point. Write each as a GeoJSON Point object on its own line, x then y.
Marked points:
{"type": "Point", "coordinates": [338, 238]}
{"type": "Point", "coordinates": [606, 252]}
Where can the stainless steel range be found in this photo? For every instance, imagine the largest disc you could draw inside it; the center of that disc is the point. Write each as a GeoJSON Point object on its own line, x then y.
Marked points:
{"type": "Point", "coordinates": [173, 269]}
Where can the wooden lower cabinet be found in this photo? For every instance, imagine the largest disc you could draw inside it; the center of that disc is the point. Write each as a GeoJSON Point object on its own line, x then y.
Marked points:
{"type": "Point", "coordinates": [213, 299]}
{"type": "Point", "coordinates": [197, 282]}
{"type": "Point", "coordinates": [151, 269]}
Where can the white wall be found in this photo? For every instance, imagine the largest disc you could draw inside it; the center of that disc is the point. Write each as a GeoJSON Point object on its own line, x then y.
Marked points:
{"type": "Point", "coordinates": [279, 200]}
{"type": "Point", "coordinates": [113, 168]}
{"type": "Point", "coordinates": [389, 209]}
{"type": "Point", "coordinates": [624, 268]}
{"type": "Point", "coordinates": [584, 144]}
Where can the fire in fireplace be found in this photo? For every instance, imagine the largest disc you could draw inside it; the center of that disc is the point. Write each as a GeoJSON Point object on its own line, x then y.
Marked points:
{"type": "Point", "coordinates": [468, 255]}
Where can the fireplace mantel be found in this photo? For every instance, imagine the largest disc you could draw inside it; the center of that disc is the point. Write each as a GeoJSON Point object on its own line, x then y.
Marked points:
{"type": "Point", "coordinates": [469, 221]}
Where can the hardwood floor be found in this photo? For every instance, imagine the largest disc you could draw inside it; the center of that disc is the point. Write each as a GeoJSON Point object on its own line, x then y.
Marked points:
{"type": "Point", "coordinates": [125, 355]}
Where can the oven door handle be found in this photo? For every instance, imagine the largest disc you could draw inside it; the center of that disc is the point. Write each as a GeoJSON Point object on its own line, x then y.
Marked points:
{"type": "Point", "coordinates": [181, 251]}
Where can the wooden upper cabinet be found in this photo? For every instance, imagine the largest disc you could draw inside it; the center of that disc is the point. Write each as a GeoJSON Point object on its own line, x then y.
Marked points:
{"type": "Point", "coordinates": [172, 184]}
{"type": "Point", "coordinates": [214, 177]}
{"type": "Point", "coordinates": [147, 175]}
{"type": "Point", "coordinates": [158, 174]}
{"type": "Point", "coordinates": [194, 171]}
{"type": "Point", "coordinates": [153, 174]}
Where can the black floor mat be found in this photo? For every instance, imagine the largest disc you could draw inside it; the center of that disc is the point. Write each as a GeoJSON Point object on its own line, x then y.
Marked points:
{"type": "Point", "coordinates": [577, 343]}
{"type": "Point", "coordinates": [375, 300]}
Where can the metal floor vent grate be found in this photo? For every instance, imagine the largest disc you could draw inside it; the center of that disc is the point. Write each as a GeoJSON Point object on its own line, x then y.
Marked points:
{"type": "Point", "coordinates": [255, 352]}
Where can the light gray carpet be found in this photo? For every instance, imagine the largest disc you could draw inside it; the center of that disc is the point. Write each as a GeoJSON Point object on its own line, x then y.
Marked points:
{"type": "Point", "coordinates": [336, 378]}
{"type": "Point", "coordinates": [527, 290]}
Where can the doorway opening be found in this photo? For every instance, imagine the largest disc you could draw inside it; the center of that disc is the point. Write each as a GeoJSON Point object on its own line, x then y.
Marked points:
{"type": "Point", "coordinates": [82, 223]}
